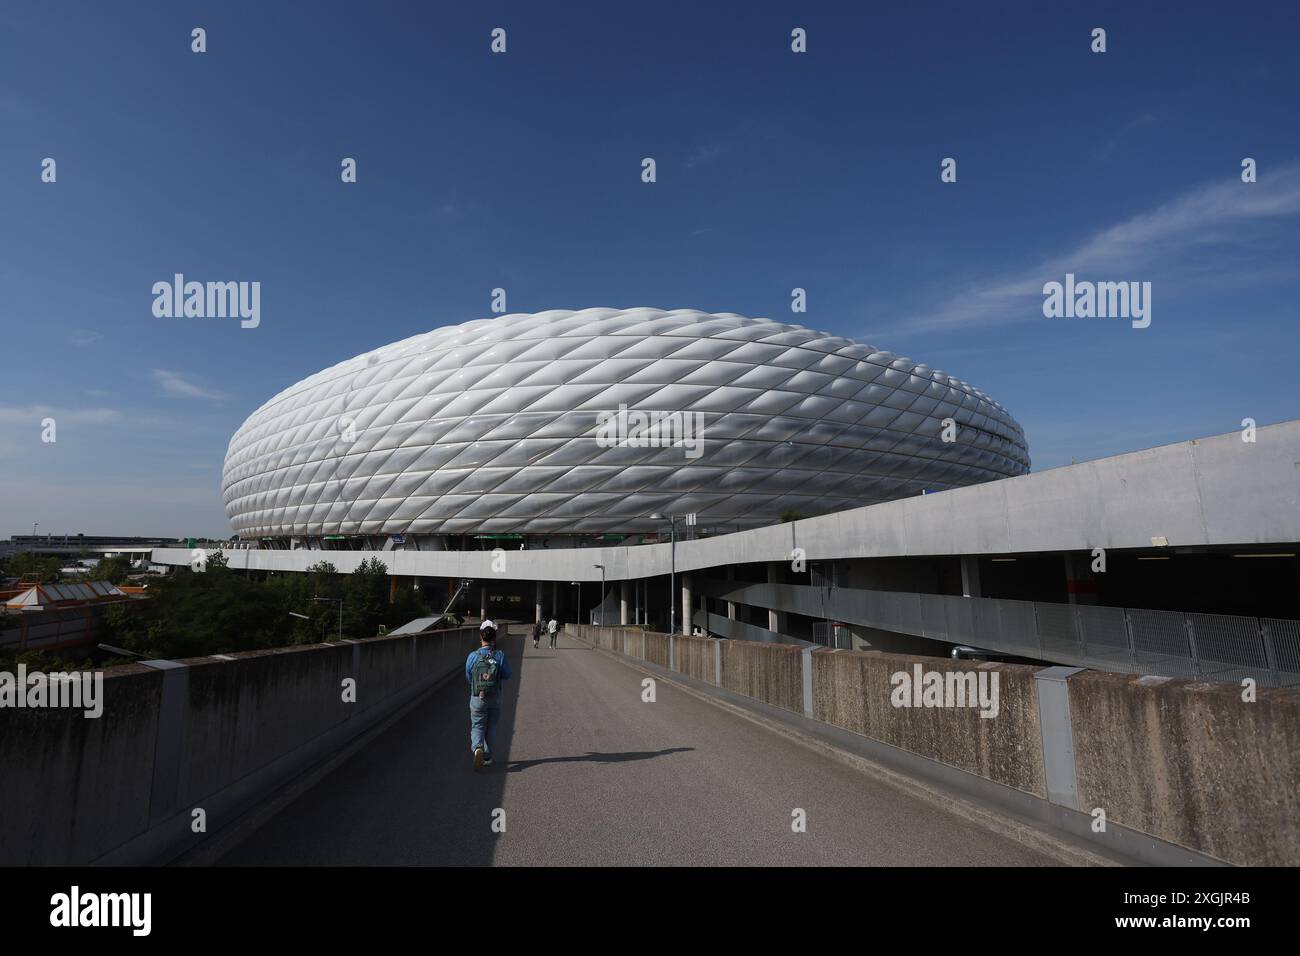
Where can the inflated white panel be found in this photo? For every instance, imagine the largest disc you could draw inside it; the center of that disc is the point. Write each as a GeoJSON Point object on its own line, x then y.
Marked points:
{"type": "Point", "coordinates": [491, 426]}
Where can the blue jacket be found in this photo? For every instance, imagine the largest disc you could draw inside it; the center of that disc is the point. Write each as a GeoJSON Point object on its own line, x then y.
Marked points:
{"type": "Point", "coordinates": [501, 662]}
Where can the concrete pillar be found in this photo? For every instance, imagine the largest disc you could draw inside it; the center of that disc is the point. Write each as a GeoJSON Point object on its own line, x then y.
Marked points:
{"type": "Point", "coordinates": [482, 602]}
{"type": "Point", "coordinates": [970, 576]}
{"type": "Point", "coordinates": [1080, 585]}
{"type": "Point", "coordinates": [687, 607]}
{"type": "Point", "coordinates": [555, 612]}
{"type": "Point", "coordinates": [624, 587]}
{"type": "Point", "coordinates": [775, 619]}
{"type": "Point", "coordinates": [392, 588]}
{"type": "Point", "coordinates": [731, 605]}
{"type": "Point", "coordinates": [537, 611]}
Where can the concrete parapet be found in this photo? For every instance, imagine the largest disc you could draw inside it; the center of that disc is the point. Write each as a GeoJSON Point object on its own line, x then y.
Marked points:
{"type": "Point", "coordinates": [853, 690]}
{"type": "Point", "coordinates": [772, 673]}
{"type": "Point", "coordinates": [212, 734]}
{"type": "Point", "coordinates": [694, 657]}
{"type": "Point", "coordinates": [1192, 763]}
{"type": "Point", "coordinates": [656, 649]}
{"type": "Point", "coordinates": [1177, 765]}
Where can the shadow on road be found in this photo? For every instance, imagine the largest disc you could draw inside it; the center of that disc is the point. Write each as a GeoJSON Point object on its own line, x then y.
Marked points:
{"type": "Point", "coordinates": [592, 756]}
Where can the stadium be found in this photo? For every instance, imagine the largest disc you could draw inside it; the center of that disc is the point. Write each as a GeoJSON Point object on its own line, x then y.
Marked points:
{"type": "Point", "coordinates": [502, 426]}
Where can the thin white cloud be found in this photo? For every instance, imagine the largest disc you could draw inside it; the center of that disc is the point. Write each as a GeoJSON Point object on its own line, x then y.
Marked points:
{"type": "Point", "coordinates": [32, 415]}
{"type": "Point", "coordinates": [178, 386]}
{"type": "Point", "coordinates": [1159, 243]}
{"type": "Point", "coordinates": [1107, 149]}
{"type": "Point", "coordinates": [704, 154]}
{"type": "Point", "coordinates": [83, 338]}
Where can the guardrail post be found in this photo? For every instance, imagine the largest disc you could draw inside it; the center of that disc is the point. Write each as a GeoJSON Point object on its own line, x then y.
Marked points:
{"type": "Point", "coordinates": [170, 739]}
{"type": "Point", "coordinates": [1190, 628]}
{"type": "Point", "coordinates": [806, 660]}
{"type": "Point", "coordinates": [1270, 652]}
{"type": "Point", "coordinates": [356, 662]}
{"type": "Point", "coordinates": [1058, 734]}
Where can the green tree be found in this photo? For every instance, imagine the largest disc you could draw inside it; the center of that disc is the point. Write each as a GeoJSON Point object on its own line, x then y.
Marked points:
{"type": "Point", "coordinates": [365, 598]}
{"type": "Point", "coordinates": [194, 613]}
{"type": "Point", "coordinates": [113, 570]}
{"type": "Point", "coordinates": [34, 568]}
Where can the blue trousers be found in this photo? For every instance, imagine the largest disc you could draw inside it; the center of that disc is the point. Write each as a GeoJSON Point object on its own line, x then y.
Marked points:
{"type": "Point", "coordinates": [483, 717]}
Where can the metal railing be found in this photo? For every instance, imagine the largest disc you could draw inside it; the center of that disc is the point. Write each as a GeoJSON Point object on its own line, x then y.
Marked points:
{"type": "Point", "coordinates": [1220, 647]}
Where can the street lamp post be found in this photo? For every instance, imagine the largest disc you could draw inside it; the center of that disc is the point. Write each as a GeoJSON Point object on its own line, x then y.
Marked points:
{"type": "Point", "coordinates": [672, 574]}
{"type": "Point", "coordinates": [306, 617]}
{"type": "Point", "coordinates": [601, 603]}
{"type": "Point", "coordinates": [340, 600]}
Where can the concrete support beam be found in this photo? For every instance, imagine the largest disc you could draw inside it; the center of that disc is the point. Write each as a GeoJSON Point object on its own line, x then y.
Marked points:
{"type": "Point", "coordinates": [624, 590]}
{"type": "Point", "coordinates": [537, 610]}
{"type": "Point", "coordinates": [482, 602]}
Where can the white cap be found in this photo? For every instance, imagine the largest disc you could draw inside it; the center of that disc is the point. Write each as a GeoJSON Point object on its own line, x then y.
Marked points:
{"type": "Point", "coordinates": [486, 624]}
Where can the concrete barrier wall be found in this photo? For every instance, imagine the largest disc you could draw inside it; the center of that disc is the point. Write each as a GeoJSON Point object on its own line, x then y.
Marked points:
{"type": "Point", "coordinates": [657, 648]}
{"type": "Point", "coordinates": [772, 673]}
{"type": "Point", "coordinates": [694, 657]}
{"type": "Point", "coordinates": [72, 788]}
{"type": "Point", "coordinates": [217, 735]}
{"type": "Point", "coordinates": [1188, 763]}
{"type": "Point", "coordinates": [851, 689]}
{"type": "Point", "coordinates": [1192, 763]}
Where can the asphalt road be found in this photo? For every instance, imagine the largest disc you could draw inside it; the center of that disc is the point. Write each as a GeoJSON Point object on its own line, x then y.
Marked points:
{"type": "Point", "coordinates": [589, 774]}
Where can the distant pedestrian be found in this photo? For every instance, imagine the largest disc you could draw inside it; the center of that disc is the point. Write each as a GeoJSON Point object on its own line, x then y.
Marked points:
{"type": "Point", "coordinates": [552, 628]}
{"type": "Point", "coordinates": [538, 627]}
{"type": "Point", "coordinates": [485, 669]}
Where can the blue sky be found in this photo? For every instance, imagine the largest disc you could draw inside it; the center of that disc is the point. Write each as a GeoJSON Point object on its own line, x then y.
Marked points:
{"type": "Point", "coordinates": [522, 171]}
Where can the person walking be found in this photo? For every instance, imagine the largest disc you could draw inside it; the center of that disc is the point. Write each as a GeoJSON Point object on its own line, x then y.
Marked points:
{"type": "Point", "coordinates": [485, 669]}
{"type": "Point", "coordinates": [538, 626]}
{"type": "Point", "coordinates": [552, 628]}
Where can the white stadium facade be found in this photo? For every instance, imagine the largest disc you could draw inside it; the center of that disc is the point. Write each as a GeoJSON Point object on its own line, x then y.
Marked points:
{"type": "Point", "coordinates": [597, 422]}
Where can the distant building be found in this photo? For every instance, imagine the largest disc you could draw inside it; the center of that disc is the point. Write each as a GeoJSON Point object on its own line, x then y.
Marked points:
{"type": "Point", "coordinates": [53, 616]}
